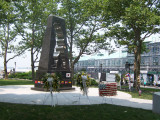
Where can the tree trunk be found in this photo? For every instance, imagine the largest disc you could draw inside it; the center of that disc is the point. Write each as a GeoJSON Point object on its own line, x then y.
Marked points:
{"type": "Point", "coordinates": [5, 67]}
{"type": "Point", "coordinates": [71, 57]}
{"type": "Point", "coordinates": [5, 54]}
{"type": "Point", "coordinates": [32, 53]}
{"type": "Point", "coordinates": [138, 64]}
{"type": "Point", "coordinates": [5, 60]}
{"type": "Point", "coordinates": [72, 73]}
{"type": "Point", "coordinates": [135, 69]}
{"type": "Point", "coordinates": [71, 49]}
{"type": "Point", "coordinates": [32, 64]}
{"type": "Point", "coordinates": [137, 61]}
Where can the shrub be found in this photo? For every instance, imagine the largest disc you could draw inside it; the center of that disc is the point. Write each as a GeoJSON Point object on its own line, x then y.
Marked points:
{"type": "Point", "coordinates": [117, 78]}
{"type": "Point", "coordinates": [24, 75]}
{"type": "Point", "coordinates": [93, 82]}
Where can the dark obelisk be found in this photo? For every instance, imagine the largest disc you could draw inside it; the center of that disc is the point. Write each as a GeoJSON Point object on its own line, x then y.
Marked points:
{"type": "Point", "coordinates": [54, 55]}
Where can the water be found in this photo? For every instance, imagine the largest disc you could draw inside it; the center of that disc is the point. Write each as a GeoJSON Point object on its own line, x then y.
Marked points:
{"type": "Point", "coordinates": [18, 69]}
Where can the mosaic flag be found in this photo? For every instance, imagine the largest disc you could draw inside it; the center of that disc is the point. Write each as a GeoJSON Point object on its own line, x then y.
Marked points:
{"type": "Point", "coordinates": [66, 82]}
{"type": "Point", "coordinates": [41, 82]}
{"type": "Point", "coordinates": [62, 82]}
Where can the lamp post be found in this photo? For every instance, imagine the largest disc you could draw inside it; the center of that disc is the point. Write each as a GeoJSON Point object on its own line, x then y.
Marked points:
{"type": "Point", "coordinates": [15, 66]}
{"type": "Point", "coordinates": [101, 72]}
{"type": "Point", "coordinates": [121, 80]}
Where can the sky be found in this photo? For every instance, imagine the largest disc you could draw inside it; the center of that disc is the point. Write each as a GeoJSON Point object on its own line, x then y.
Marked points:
{"type": "Point", "coordinates": [21, 61]}
{"type": "Point", "coordinates": [24, 61]}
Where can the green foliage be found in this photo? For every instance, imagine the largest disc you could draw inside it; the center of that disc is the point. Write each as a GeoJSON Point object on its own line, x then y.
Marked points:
{"type": "Point", "coordinates": [84, 20]}
{"type": "Point", "coordinates": [56, 81]}
{"type": "Point", "coordinates": [137, 21]}
{"type": "Point", "coordinates": [31, 25]}
{"type": "Point", "coordinates": [24, 75]}
{"type": "Point", "coordinates": [117, 78]}
{"type": "Point", "coordinates": [137, 17]}
{"type": "Point", "coordinates": [8, 33]}
{"type": "Point", "coordinates": [93, 82]}
{"type": "Point", "coordinates": [33, 16]}
{"type": "Point", "coordinates": [79, 80]}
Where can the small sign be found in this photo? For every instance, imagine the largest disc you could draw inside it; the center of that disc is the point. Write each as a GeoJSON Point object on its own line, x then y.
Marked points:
{"type": "Point", "coordinates": [143, 71]}
{"type": "Point", "coordinates": [39, 81]}
{"type": "Point", "coordinates": [69, 82]}
{"type": "Point", "coordinates": [114, 72]}
{"type": "Point", "coordinates": [68, 75]}
{"type": "Point", "coordinates": [36, 81]}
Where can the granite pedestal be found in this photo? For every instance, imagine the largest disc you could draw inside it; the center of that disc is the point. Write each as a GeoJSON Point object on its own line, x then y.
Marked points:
{"type": "Point", "coordinates": [156, 102]}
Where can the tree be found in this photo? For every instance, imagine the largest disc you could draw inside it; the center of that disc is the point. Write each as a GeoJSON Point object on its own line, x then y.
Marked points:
{"type": "Point", "coordinates": [8, 33]}
{"type": "Point", "coordinates": [117, 78]}
{"type": "Point", "coordinates": [31, 25]}
{"type": "Point", "coordinates": [138, 21]}
{"type": "Point", "coordinates": [83, 22]}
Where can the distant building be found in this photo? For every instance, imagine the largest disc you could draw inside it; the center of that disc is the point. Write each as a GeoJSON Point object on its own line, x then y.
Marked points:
{"type": "Point", "coordinates": [115, 63]}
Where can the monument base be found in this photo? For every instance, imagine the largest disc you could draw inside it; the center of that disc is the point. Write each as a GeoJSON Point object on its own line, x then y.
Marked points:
{"type": "Point", "coordinates": [45, 90]}
{"type": "Point", "coordinates": [65, 81]}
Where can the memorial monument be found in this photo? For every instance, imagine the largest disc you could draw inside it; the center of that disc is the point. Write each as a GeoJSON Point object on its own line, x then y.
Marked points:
{"type": "Point", "coordinates": [54, 55]}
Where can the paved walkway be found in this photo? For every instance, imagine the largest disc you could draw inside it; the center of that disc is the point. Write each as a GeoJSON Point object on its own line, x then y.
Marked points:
{"type": "Point", "coordinates": [24, 95]}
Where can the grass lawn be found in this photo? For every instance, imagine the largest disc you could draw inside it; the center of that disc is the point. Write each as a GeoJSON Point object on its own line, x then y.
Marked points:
{"type": "Point", "coordinates": [15, 82]}
{"type": "Point", "coordinates": [93, 112]}
{"type": "Point", "coordinates": [147, 93]}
